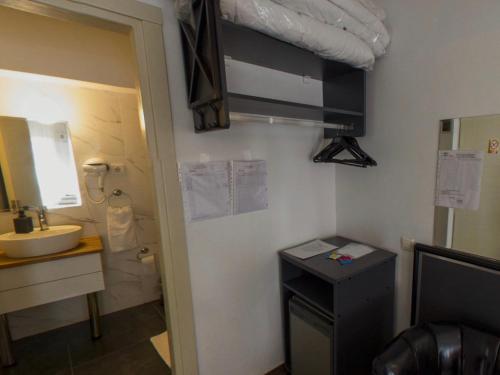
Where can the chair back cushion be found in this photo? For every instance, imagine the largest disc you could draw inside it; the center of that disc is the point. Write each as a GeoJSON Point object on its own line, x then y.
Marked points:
{"type": "Point", "coordinates": [479, 353]}
{"type": "Point", "coordinates": [449, 345]}
{"type": "Point", "coordinates": [440, 349]}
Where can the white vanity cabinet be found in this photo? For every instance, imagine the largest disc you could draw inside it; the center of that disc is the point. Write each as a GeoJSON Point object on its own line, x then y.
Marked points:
{"type": "Point", "coordinates": [30, 282]}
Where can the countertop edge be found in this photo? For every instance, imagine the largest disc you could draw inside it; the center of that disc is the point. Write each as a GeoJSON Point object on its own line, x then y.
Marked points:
{"type": "Point", "coordinates": [93, 248]}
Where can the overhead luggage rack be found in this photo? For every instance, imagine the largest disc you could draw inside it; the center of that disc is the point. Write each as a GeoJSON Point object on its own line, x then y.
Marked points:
{"type": "Point", "coordinates": [211, 38]}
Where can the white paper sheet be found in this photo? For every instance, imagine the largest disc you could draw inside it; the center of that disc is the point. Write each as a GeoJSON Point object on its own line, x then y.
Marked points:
{"type": "Point", "coordinates": [249, 186]}
{"type": "Point", "coordinates": [355, 250]}
{"type": "Point", "coordinates": [310, 249]}
{"type": "Point", "coordinates": [206, 190]}
{"type": "Point", "coordinates": [458, 182]}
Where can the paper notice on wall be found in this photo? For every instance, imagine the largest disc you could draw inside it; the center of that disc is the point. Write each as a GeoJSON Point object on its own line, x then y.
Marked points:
{"type": "Point", "coordinates": [249, 186]}
{"type": "Point", "coordinates": [459, 179]}
{"type": "Point", "coordinates": [206, 190]}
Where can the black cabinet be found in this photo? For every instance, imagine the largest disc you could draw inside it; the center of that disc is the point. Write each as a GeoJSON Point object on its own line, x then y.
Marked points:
{"type": "Point", "coordinates": [358, 298]}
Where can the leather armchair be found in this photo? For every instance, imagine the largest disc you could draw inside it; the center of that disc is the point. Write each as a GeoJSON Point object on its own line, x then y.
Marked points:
{"type": "Point", "coordinates": [440, 349]}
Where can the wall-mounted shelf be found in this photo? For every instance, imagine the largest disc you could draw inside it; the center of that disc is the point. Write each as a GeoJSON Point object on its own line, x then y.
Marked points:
{"type": "Point", "coordinates": [205, 46]}
{"type": "Point", "coordinates": [282, 112]}
{"type": "Point", "coordinates": [270, 107]}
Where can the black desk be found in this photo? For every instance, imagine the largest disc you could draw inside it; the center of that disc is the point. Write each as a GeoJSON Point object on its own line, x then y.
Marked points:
{"type": "Point", "coordinates": [359, 297]}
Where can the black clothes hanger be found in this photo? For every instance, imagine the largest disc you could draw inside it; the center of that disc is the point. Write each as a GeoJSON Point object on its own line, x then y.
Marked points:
{"type": "Point", "coordinates": [349, 144]}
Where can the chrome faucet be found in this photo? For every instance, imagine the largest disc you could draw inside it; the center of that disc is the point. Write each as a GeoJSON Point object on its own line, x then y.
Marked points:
{"type": "Point", "coordinates": [42, 218]}
{"type": "Point", "coordinates": [41, 213]}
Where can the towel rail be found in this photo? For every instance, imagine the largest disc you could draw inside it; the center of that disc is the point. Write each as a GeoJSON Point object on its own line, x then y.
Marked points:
{"type": "Point", "coordinates": [117, 194]}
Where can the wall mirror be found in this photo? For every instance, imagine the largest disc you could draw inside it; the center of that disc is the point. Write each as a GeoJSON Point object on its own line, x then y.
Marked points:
{"type": "Point", "coordinates": [37, 165]}
{"type": "Point", "coordinates": [467, 214]}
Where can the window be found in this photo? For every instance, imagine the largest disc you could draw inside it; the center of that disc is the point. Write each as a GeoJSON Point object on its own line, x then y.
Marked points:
{"type": "Point", "coordinates": [55, 164]}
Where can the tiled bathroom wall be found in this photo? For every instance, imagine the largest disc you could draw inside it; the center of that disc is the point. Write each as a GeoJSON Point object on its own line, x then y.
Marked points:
{"type": "Point", "coordinates": [104, 122]}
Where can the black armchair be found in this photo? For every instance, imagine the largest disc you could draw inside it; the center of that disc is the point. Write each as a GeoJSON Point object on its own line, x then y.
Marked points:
{"type": "Point", "coordinates": [439, 349]}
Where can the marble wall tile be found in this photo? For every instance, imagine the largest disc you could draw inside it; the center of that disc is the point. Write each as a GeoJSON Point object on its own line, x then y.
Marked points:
{"type": "Point", "coordinates": [103, 124]}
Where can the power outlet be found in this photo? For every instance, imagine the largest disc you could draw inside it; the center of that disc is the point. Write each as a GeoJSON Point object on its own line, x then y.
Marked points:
{"type": "Point", "coordinates": [407, 244]}
{"type": "Point", "coordinates": [117, 168]}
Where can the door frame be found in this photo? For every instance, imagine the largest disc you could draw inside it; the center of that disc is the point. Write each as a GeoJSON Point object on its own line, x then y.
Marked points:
{"type": "Point", "coordinates": [145, 25]}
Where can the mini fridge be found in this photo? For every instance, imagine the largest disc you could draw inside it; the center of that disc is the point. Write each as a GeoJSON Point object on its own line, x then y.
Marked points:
{"type": "Point", "coordinates": [311, 339]}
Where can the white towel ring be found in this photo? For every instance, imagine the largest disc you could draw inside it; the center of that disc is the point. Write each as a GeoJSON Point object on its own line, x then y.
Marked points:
{"type": "Point", "coordinates": [118, 194]}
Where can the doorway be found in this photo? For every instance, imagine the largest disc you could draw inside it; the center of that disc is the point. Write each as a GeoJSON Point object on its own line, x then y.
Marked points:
{"type": "Point", "coordinates": [142, 26]}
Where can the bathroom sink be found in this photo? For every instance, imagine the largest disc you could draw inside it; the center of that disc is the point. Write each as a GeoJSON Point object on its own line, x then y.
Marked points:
{"type": "Point", "coordinates": [54, 240]}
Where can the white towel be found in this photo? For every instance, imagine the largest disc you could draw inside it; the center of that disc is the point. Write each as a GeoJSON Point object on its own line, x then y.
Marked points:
{"type": "Point", "coordinates": [121, 228]}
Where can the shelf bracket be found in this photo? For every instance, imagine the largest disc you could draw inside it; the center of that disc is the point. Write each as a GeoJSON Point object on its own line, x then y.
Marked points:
{"type": "Point", "coordinates": [205, 70]}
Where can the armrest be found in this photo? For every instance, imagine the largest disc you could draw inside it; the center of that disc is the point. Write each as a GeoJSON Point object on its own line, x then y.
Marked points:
{"type": "Point", "coordinates": [398, 359]}
{"type": "Point", "coordinates": [414, 352]}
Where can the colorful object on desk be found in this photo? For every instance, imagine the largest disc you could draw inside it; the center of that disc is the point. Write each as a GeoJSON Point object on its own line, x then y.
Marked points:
{"type": "Point", "coordinates": [334, 256]}
{"type": "Point", "coordinates": [344, 259]}
{"type": "Point", "coordinates": [341, 258]}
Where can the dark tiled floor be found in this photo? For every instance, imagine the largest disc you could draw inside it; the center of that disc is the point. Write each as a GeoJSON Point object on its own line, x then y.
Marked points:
{"type": "Point", "coordinates": [123, 349]}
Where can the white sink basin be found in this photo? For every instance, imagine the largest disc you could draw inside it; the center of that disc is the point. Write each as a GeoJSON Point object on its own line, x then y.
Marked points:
{"type": "Point", "coordinates": [54, 240]}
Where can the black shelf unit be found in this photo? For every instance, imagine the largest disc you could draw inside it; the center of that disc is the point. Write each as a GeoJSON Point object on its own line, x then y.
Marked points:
{"type": "Point", "coordinates": [358, 297]}
{"type": "Point", "coordinates": [212, 38]}
{"type": "Point", "coordinates": [271, 107]}
{"type": "Point", "coordinates": [313, 290]}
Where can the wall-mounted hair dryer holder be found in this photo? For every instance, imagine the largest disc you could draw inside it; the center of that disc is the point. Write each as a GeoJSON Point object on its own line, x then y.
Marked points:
{"type": "Point", "coordinates": [98, 168]}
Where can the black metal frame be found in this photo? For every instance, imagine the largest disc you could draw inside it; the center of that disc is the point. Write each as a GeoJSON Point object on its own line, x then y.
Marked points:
{"type": "Point", "coordinates": [454, 255]}
{"type": "Point", "coordinates": [205, 72]}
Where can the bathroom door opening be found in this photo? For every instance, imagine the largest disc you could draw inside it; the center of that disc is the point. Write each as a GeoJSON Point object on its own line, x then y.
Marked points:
{"type": "Point", "coordinates": [122, 120]}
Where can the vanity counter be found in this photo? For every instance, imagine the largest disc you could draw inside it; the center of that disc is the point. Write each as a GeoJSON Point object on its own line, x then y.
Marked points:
{"type": "Point", "coordinates": [88, 245]}
{"type": "Point", "coordinates": [31, 282]}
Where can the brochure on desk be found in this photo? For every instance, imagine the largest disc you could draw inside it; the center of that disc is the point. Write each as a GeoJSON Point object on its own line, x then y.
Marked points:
{"type": "Point", "coordinates": [310, 249]}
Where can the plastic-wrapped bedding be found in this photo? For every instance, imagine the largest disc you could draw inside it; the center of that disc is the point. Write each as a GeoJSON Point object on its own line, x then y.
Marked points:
{"type": "Point", "coordinates": [284, 24]}
{"type": "Point", "coordinates": [183, 9]}
{"type": "Point", "coordinates": [362, 14]}
{"type": "Point", "coordinates": [327, 12]}
{"type": "Point", "coordinates": [376, 10]}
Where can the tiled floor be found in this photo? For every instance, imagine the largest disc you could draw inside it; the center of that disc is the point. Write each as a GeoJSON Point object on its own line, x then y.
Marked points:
{"type": "Point", "coordinates": [124, 348]}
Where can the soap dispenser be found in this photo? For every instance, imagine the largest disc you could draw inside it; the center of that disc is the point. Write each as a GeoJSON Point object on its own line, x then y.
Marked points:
{"type": "Point", "coordinates": [23, 223]}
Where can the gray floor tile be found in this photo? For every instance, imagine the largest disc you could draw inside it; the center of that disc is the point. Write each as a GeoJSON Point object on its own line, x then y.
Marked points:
{"type": "Point", "coordinates": [125, 339]}
{"type": "Point", "coordinates": [139, 359]}
{"type": "Point", "coordinates": [119, 330]}
{"type": "Point", "coordinates": [41, 355]}
{"type": "Point", "coordinates": [160, 308]}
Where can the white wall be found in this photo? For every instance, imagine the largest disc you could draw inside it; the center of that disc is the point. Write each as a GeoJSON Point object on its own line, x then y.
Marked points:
{"type": "Point", "coordinates": [43, 45]}
{"type": "Point", "coordinates": [443, 63]}
{"type": "Point", "coordinates": [233, 261]}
